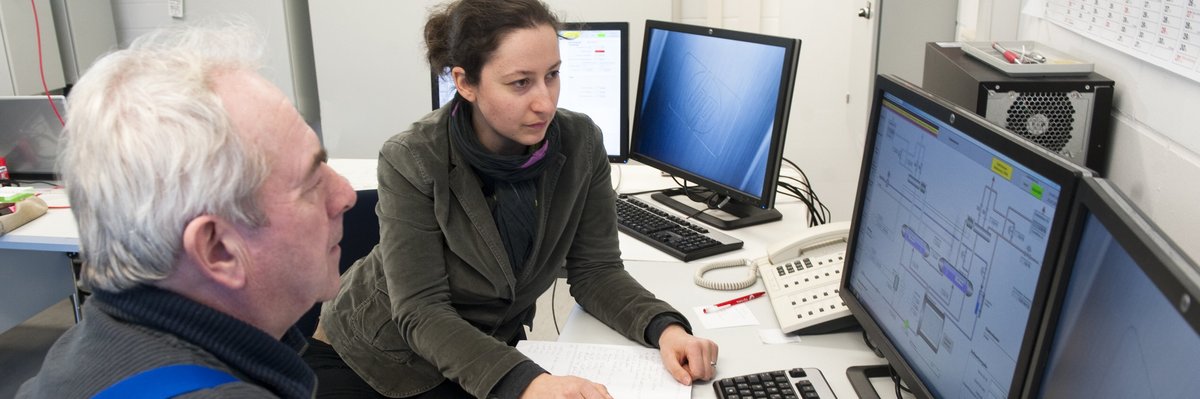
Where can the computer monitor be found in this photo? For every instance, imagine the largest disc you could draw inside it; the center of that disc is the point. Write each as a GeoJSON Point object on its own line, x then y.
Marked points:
{"type": "Point", "coordinates": [712, 108]}
{"type": "Point", "coordinates": [30, 132]}
{"type": "Point", "coordinates": [1123, 322]}
{"type": "Point", "coordinates": [954, 235]}
{"type": "Point", "coordinates": [594, 78]}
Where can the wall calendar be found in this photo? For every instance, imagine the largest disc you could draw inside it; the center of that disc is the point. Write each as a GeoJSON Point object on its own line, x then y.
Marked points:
{"type": "Point", "coordinates": [1163, 32]}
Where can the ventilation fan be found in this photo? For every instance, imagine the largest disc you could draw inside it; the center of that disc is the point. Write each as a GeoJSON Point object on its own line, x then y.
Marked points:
{"type": "Point", "coordinates": [1045, 118]}
{"type": "Point", "coordinates": [1054, 120]}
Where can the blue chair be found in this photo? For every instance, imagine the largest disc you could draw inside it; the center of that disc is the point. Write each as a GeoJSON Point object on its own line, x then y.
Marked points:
{"type": "Point", "coordinates": [360, 233]}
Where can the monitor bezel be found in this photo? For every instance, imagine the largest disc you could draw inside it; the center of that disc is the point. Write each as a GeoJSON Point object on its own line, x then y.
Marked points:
{"type": "Point", "coordinates": [1031, 156]}
{"type": "Point", "coordinates": [1170, 270]}
{"type": "Point", "coordinates": [434, 89]}
{"type": "Point", "coordinates": [783, 107]}
{"type": "Point", "coordinates": [60, 101]}
{"type": "Point", "coordinates": [622, 156]}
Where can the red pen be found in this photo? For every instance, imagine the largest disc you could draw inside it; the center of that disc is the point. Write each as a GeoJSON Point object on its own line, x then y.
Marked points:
{"type": "Point", "coordinates": [734, 301]}
{"type": "Point", "coordinates": [1012, 57]}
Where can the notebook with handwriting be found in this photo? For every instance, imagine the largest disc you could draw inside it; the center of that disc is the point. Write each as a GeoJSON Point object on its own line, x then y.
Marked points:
{"type": "Point", "coordinates": [627, 371]}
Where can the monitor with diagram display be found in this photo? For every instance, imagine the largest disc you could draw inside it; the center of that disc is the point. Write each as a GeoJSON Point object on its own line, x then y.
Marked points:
{"type": "Point", "coordinates": [594, 78]}
{"type": "Point", "coordinates": [712, 108]}
{"type": "Point", "coordinates": [954, 236]}
{"type": "Point", "coordinates": [1123, 320]}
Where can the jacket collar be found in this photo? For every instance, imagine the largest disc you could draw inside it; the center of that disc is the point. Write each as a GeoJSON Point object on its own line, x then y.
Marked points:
{"type": "Point", "coordinates": [465, 185]}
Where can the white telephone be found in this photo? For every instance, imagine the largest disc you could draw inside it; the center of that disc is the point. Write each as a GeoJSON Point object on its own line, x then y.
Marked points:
{"type": "Point", "coordinates": [801, 278]}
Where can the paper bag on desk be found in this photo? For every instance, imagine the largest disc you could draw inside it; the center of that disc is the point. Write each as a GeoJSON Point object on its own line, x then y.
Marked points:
{"type": "Point", "coordinates": [27, 209]}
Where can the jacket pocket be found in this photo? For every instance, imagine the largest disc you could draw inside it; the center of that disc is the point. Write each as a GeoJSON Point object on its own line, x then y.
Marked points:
{"type": "Point", "coordinates": [373, 324]}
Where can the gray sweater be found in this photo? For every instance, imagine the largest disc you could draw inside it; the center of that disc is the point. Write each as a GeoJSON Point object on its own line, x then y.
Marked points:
{"type": "Point", "coordinates": [145, 328]}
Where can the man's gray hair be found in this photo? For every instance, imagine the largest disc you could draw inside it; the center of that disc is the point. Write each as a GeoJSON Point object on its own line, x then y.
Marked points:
{"type": "Point", "coordinates": [148, 146]}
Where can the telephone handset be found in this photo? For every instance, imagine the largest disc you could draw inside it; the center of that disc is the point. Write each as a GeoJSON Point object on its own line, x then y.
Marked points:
{"type": "Point", "coordinates": [800, 277]}
{"type": "Point", "coordinates": [823, 236]}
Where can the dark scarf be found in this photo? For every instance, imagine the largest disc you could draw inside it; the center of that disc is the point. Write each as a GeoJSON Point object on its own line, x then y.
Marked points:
{"type": "Point", "coordinates": [511, 178]}
{"type": "Point", "coordinates": [273, 364]}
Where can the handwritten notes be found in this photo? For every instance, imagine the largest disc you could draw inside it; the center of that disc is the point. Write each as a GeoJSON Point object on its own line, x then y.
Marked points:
{"type": "Point", "coordinates": [627, 371]}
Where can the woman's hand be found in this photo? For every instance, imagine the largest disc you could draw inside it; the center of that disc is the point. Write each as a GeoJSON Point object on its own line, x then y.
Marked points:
{"type": "Point", "coordinates": [553, 386]}
{"type": "Point", "coordinates": [687, 358]}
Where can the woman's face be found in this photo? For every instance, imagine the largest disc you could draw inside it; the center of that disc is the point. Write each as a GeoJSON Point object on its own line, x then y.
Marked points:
{"type": "Point", "coordinates": [517, 93]}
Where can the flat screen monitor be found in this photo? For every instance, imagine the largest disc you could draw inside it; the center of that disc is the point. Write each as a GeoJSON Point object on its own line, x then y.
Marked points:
{"type": "Point", "coordinates": [712, 108]}
{"type": "Point", "coordinates": [594, 78]}
{"type": "Point", "coordinates": [29, 135]}
{"type": "Point", "coordinates": [1123, 322]}
{"type": "Point", "coordinates": [954, 235]}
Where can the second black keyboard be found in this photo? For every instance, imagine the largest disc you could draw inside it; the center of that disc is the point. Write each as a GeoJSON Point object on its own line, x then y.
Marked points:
{"type": "Point", "coordinates": [797, 383]}
{"type": "Point", "coordinates": [669, 233]}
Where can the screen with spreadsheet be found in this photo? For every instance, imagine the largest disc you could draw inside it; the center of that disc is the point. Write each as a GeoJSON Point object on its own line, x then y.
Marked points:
{"type": "Point", "coordinates": [955, 233]}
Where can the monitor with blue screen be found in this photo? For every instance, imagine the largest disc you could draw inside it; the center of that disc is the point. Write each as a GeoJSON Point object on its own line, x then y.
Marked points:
{"type": "Point", "coordinates": [1124, 323]}
{"type": "Point", "coordinates": [712, 108]}
{"type": "Point", "coordinates": [955, 232]}
{"type": "Point", "coordinates": [594, 78]}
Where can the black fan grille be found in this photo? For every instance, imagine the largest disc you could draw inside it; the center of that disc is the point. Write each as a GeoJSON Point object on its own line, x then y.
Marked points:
{"type": "Point", "coordinates": [1046, 118]}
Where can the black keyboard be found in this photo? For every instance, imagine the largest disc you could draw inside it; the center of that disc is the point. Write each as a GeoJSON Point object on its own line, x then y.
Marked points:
{"type": "Point", "coordinates": [669, 233]}
{"type": "Point", "coordinates": [798, 383]}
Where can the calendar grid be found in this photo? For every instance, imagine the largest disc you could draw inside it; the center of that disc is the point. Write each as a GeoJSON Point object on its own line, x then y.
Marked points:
{"type": "Point", "coordinates": [1163, 32]}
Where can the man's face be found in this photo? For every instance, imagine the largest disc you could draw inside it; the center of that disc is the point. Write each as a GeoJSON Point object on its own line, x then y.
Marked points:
{"type": "Point", "coordinates": [294, 256]}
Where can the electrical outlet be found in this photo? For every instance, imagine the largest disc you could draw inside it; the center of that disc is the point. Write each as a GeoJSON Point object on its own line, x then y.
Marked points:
{"type": "Point", "coordinates": [175, 8]}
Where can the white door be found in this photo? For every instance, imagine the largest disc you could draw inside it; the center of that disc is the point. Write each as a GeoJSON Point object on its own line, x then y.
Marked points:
{"type": "Point", "coordinates": [830, 101]}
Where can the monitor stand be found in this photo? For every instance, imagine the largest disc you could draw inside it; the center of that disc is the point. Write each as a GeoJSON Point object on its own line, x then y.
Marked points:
{"type": "Point", "coordinates": [747, 215]}
{"type": "Point", "coordinates": [860, 378]}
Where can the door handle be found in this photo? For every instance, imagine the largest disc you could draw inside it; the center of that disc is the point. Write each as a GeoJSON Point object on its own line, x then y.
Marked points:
{"type": "Point", "coordinates": [865, 12]}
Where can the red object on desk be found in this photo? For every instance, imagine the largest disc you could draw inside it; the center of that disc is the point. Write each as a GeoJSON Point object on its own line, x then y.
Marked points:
{"type": "Point", "coordinates": [734, 301]}
{"type": "Point", "coordinates": [1012, 57]}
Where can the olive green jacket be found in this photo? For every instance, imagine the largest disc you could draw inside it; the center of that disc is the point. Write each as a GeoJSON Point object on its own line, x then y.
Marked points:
{"type": "Point", "coordinates": [437, 298]}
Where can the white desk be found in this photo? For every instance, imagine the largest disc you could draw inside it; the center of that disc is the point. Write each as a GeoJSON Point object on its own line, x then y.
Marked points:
{"type": "Point", "coordinates": [741, 349]}
{"type": "Point", "coordinates": [35, 271]}
{"type": "Point", "coordinates": [632, 178]}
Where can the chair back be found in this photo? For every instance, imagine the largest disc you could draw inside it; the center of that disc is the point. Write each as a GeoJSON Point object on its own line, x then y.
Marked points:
{"type": "Point", "coordinates": [360, 234]}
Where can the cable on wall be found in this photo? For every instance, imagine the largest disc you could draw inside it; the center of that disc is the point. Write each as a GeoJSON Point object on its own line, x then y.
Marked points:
{"type": "Point", "coordinates": [37, 26]}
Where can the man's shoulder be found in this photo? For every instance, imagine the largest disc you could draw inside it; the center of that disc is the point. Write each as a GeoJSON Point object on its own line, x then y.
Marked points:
{"type": "Point", "coordinates": [239, 389]}
{"type": "Point", "coordinates": [100, 351]}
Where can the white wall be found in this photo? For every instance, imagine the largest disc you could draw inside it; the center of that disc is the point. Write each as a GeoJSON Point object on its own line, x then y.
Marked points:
{"type": "Point", "coordinates": [284, 22]}
{"type": "Point", "coordinates": [85, 31]}
{"type": "Point", "coordinates": [20, 71]}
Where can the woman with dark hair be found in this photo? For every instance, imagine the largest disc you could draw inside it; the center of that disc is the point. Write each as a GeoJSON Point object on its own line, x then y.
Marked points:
{"type": "Point", "coordinates": [482, 204]}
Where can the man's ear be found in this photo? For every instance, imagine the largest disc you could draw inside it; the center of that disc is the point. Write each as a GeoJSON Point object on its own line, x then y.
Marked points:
{"type": "Point", "coordinates": [461, 84]}
{"type": "Point", "coordinates": [217, 249]}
